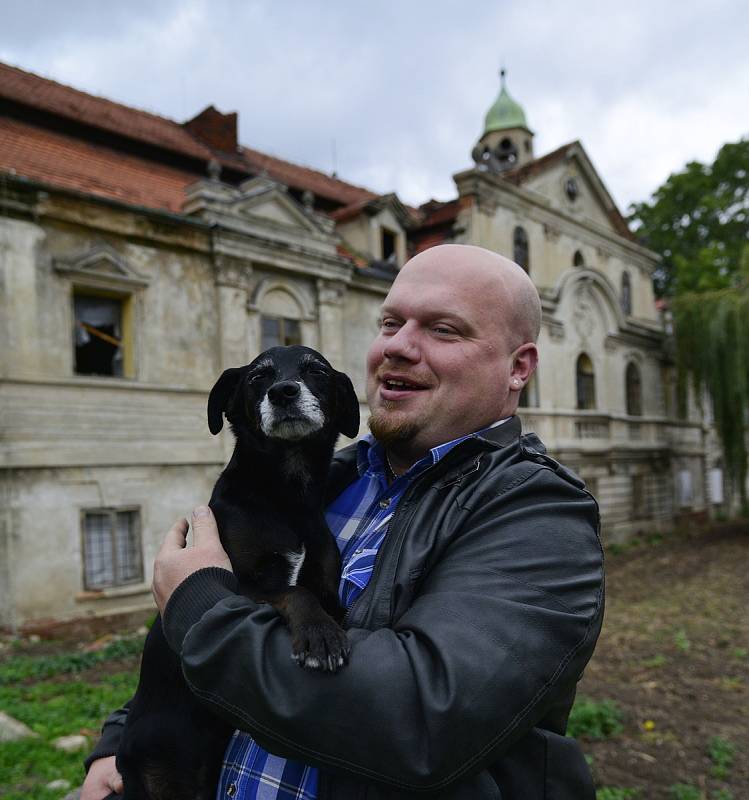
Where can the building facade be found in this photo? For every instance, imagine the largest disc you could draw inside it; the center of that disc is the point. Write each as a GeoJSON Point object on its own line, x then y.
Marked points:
{"type": "Point", "coordinates": [139, 257]}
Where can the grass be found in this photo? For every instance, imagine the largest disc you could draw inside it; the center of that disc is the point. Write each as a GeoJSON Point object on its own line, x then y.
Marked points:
{"type": "Point", "coordinates": [594, 720]}
{"type": "Point", "coordinates": [684, 791]}
{"type": "Point", "coordinates": [617, 793]}
{"type": "Point", "coordinates": [53, 708]}
{"type": "Point", "coordinates": [721, 753]}
{"type": "Point", "coordinates": [21, 668]}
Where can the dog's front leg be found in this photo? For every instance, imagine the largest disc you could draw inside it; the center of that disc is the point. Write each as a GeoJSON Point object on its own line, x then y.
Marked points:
{"type": "Point", "coordinates": [317, 641]}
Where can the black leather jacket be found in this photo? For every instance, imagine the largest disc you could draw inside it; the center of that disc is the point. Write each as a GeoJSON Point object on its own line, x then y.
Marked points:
{"type": "Point", "coordinates": [484, 607]}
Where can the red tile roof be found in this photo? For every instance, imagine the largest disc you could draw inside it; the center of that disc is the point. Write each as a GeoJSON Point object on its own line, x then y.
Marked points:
{"type": "Point", "coordinates": [71, 163]}
{"type": "Point", "coordinates": [305, 178]}
{"type": "Point", "coordinates": [45, 95]}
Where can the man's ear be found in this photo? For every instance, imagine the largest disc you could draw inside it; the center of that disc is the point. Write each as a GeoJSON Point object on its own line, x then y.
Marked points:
{"type": "Point", "coordinates": [347, 406]}
{"type": "Point", "coordinates": [218, 399]}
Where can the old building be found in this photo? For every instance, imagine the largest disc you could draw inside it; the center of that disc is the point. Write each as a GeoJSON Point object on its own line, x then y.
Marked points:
{"type": "Point", "coordinates": [139, 257]}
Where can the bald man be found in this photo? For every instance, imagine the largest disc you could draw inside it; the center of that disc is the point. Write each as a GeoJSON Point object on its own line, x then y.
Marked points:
{"type": "Point", "coordinates": [472, 575]}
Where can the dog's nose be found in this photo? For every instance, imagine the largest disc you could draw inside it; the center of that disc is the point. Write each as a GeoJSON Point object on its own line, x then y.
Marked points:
{"type": "Point", "coordinates": [283, 392]}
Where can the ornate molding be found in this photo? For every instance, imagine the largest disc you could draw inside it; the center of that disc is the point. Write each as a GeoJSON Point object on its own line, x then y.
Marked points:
{"type": "Point", "coordinates": [101, 266]}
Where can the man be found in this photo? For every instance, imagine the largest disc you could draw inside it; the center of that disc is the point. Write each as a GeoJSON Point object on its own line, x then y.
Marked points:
{"type": "Point", "coordinates": [482, 567]}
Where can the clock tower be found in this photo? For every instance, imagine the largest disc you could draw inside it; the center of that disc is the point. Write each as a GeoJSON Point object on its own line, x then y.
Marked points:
{"type": "Point", "coordinates": [507, 141]}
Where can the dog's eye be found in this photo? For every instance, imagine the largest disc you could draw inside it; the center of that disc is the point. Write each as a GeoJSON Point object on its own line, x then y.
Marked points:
{"type": "Point", "coordinates": [256, 378]}
{"type": "Point", "coordinates": [313, 370]}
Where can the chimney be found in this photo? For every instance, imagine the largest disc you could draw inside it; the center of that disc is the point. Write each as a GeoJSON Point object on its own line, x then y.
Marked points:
{"type": "Point", "coordinates": [217, 130]}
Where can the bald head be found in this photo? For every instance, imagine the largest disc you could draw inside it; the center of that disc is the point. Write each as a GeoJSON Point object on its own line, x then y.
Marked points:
{"type": "Point", "coordinates": [498, 285]}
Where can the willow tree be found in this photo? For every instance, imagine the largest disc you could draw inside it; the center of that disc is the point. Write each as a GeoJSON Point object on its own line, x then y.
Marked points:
{"type": "Point", "coordinates": [712, 348]}
{"type": "Point", "coordinates": [699, 221]}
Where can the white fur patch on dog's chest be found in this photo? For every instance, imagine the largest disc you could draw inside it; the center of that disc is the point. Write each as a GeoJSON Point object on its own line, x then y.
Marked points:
{"type": "Point", "coordinates": [296, 560]}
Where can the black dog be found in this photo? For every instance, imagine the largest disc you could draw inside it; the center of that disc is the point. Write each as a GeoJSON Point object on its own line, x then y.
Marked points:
{"type": "Point", "coordinates": [286, 410]}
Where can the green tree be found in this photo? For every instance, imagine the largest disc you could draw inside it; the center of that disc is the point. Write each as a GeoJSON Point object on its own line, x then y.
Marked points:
{"type": "Point", "coordinates": [699, 222]}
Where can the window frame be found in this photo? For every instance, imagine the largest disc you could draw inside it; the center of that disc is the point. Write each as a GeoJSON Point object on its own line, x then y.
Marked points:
{"type": "Point", "coordinates": [112, 511]}
{"type": "Point", "coordinates": [127, 321]}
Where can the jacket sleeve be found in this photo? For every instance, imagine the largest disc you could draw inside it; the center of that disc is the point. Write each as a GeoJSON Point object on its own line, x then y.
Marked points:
{"type": "Point", "coordinates": [499, 630]}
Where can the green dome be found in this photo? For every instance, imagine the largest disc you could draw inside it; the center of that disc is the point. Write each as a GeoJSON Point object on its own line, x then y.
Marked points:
{"type": "Point", "coordinates": [505, 113]}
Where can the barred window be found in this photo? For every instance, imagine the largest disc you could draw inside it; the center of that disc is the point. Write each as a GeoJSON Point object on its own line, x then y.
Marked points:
{"type": "Point", "coordinates": [111, 548]}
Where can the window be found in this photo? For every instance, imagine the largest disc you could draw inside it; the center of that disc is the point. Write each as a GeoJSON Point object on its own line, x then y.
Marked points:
{"type": "Point", "coordinates": [586, 383]}
{"type": "Point", "coordinates": [389, 240]}
{"type": "Point", "coordinates": [529, 395]}
{"type": "Point", "coordinates": [577, 259]}
{"type": "Point", "coordinates": [111, 548]}
{"type": "Point", "coordinates": [101, 334]}
{"type": "Point", "coordinates": [571, 189]}
{"type": "Point", "coordinates": [520, 248]}
{"type": "Point", "coordinates": [279, 331]}
{"type": "Point", "coordinates": [506, 153]}
{"type": "Point", "coordinates": [626, 298]}
{"type": "Point", "coordinates": [633, 389]}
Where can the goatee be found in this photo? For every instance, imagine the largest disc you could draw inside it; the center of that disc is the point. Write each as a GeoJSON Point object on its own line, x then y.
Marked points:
{"type": "Point", "coordinates": [390, 428]}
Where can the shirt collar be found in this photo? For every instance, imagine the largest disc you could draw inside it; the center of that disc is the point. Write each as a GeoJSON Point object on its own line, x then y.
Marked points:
{"type": "Point", "coordinates": [370, 454]}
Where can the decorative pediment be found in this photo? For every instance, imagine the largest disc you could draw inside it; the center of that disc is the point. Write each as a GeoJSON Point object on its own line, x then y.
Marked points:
{"type": "Point", "coordinates": [264, 200]}
{"type": "Point", "coordinates": [101, 266]}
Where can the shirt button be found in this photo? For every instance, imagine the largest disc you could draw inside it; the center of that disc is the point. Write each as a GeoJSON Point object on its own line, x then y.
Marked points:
{"type": "Point", "coordinates": [385, 502]}
{"type": "Point", "coordinates": [231, 789]}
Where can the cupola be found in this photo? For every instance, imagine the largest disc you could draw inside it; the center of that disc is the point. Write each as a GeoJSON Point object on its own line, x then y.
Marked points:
{"type": "Point", "coordinates": [507, 141]}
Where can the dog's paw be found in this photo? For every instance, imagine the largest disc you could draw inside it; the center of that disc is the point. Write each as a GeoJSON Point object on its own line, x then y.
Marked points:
{"type": "Point", "coordinates": [322, 646]}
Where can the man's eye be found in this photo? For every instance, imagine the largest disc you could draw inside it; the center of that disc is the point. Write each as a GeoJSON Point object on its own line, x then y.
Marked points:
{"type": "Point", "coordinates": [443, 330]}
{"type": "Point", "coordinates": [388, 324]}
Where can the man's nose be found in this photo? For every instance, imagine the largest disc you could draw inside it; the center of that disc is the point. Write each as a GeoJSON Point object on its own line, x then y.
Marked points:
{"type": "Point", "coordinates": [402, 344]}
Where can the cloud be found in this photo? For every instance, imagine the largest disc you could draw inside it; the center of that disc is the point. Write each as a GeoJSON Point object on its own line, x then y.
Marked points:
{"type": "Point", "coordinates": [402, 88]}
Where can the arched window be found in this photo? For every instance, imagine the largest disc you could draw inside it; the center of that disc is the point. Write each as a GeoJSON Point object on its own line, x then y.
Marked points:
{"type": "Point", "coordinates": [529, 395]}
{"type": "Point", "coordinates": [577, 259]}
{"type": "Point", "coordinates": [279, 319]}
{"type": "Point", "coordinates": [626, 293]}
{"type": "Point", "coordinates": [520, 253]}
{"type": "Point", "coordinates": [633, 389]}
{"type": "Point", "coordinates": [586, 383]}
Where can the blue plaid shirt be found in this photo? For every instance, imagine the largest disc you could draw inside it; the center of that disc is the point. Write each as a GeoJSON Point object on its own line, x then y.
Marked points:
{"type": "Point", "coordinates": [359, 519]}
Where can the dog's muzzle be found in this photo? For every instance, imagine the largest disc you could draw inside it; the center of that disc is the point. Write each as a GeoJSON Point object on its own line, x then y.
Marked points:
{"type": "Point", "coordinates": [290, 411]}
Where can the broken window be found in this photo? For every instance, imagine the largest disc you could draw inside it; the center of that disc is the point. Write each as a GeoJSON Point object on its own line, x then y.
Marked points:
{"type": "Point", "coordinates": [97, 336]}
{"type": "Point", "coordinates": [111, 548]}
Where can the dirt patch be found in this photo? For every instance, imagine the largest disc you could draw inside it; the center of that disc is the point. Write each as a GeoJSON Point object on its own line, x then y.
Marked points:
{"type": "Point", "coordinates": [674, 655]}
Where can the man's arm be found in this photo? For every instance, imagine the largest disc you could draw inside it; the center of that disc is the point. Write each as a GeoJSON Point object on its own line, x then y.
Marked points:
{"type": "Point", "coordinates": [502, 627]}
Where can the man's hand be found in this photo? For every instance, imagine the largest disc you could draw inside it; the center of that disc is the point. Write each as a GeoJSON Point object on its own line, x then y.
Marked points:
{"type": "Point", "coordinates": [175, 561]}
{"type": "Point", "coordinates": [102, 779]}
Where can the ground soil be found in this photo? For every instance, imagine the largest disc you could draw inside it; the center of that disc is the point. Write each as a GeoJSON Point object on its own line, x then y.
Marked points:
{"type": "Point", "coordinates": [673, 655]}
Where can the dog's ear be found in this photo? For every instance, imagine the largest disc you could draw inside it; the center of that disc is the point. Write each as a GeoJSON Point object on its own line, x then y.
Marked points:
{"type": "Point", "coordinates": [347, 406]}
{"type": "Point", "coordinates": [218, 399]}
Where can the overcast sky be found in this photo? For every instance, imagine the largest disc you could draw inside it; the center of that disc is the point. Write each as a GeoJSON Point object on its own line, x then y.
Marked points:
{"type": "Point", "coordinates": [393, 94]}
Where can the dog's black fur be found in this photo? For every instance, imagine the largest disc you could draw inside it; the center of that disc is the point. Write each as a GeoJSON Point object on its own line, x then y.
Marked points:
{"type": "Point", "coordinates": [286, 410]}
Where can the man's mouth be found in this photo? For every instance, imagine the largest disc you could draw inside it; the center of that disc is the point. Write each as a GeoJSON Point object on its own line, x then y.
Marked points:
{"type": "Point", "coordinates": [401, 385]}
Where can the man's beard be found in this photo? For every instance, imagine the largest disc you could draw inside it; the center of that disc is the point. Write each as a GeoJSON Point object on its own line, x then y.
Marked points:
{"type": "Point", "coordinates": [390, 428]}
